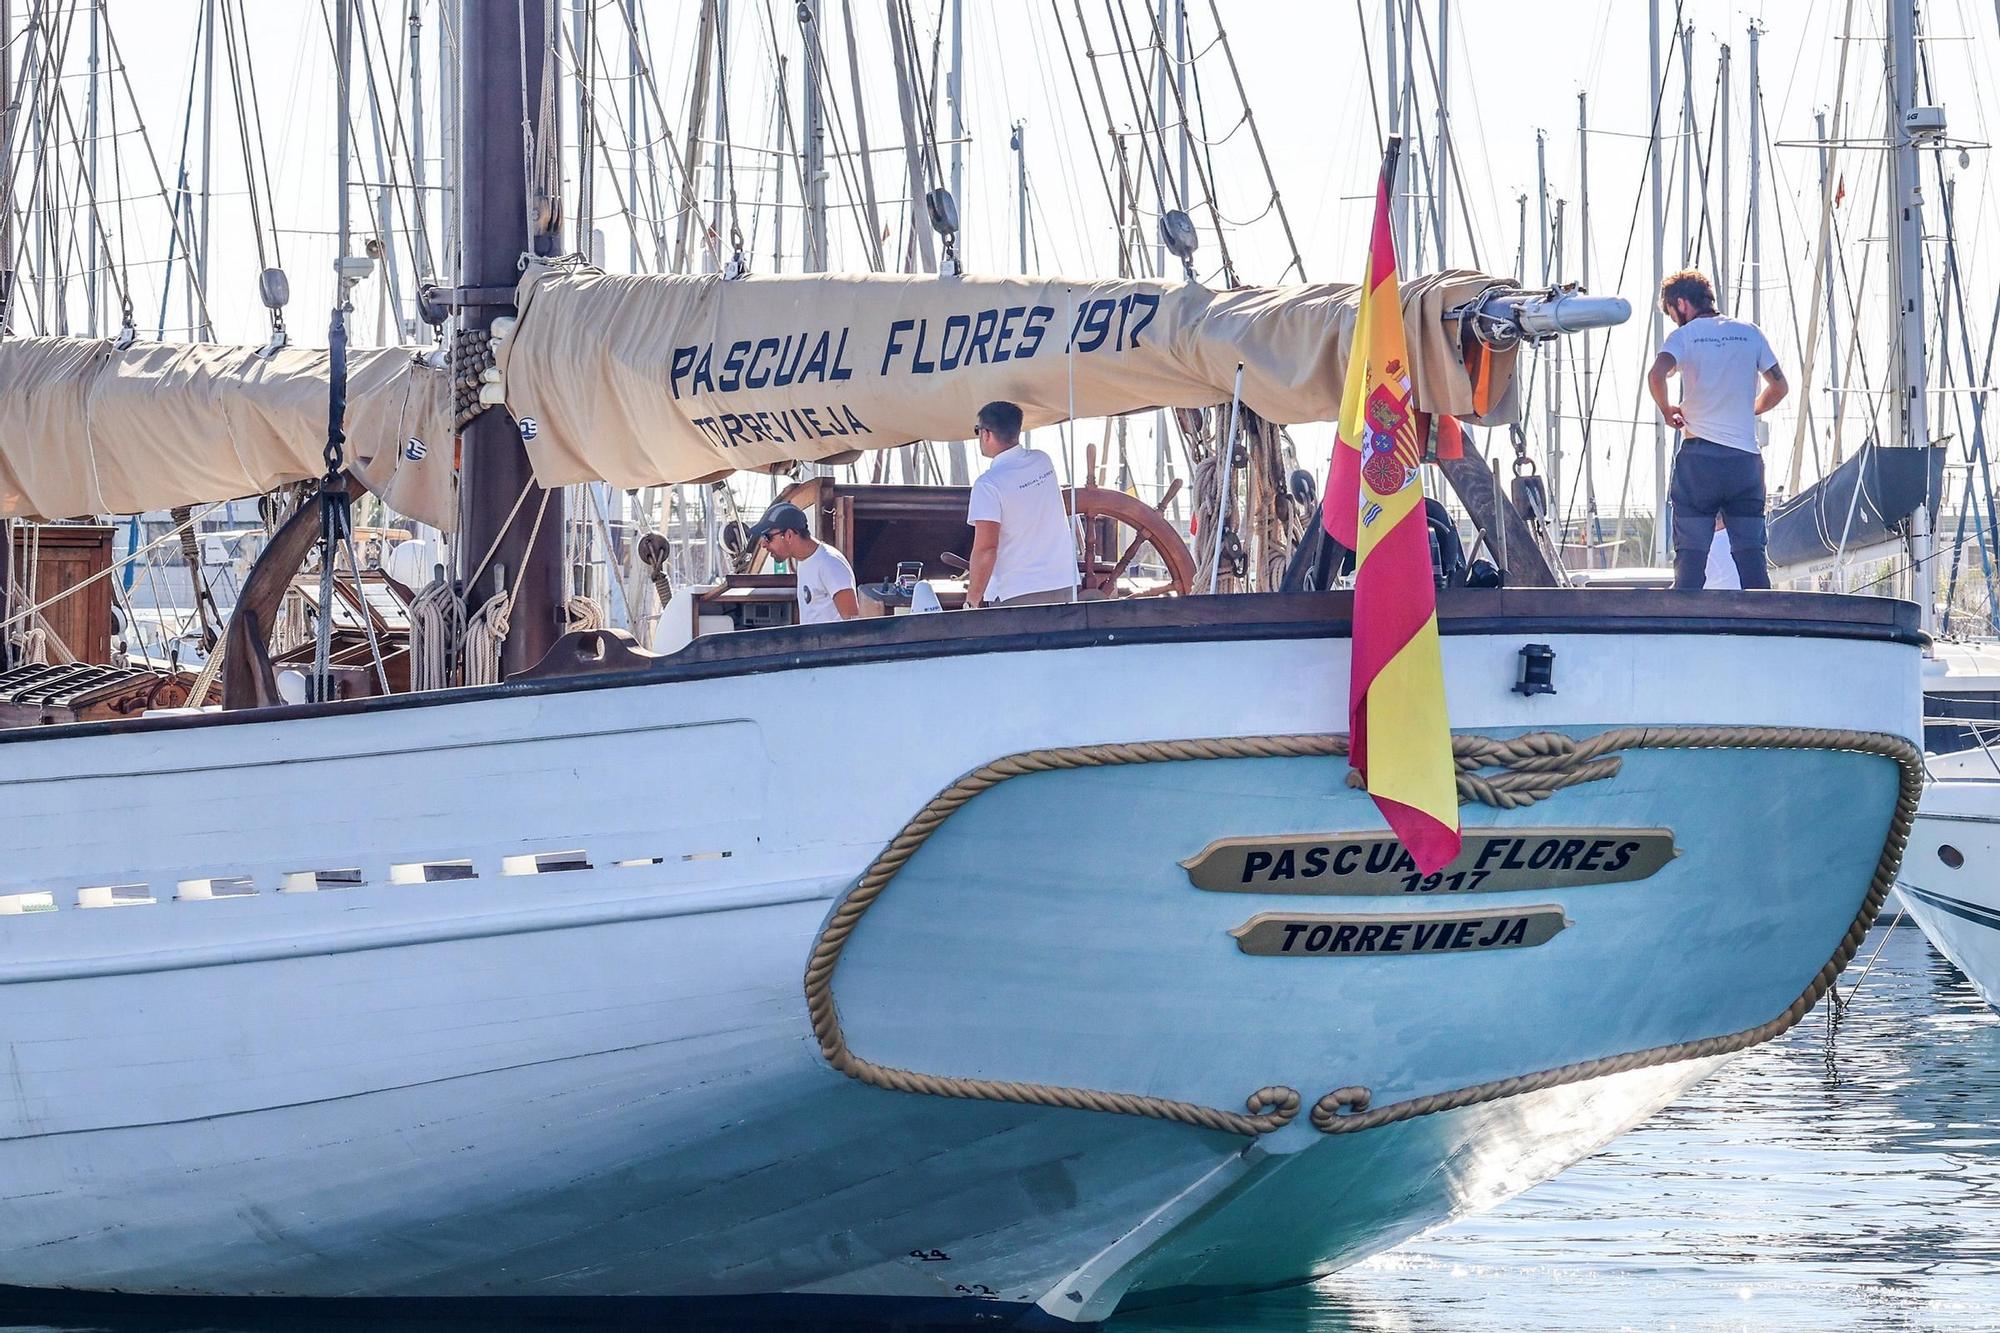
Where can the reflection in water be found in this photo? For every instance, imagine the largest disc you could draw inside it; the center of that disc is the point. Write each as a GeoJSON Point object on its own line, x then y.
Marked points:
{"type": "Point", "coordinates": [1843, 1184]}
{"type": "Point", "coordinates": [1850, 1182]}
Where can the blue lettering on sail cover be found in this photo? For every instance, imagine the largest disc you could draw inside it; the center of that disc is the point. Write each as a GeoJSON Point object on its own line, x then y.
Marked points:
{"type": "Point", "coordinates": [922, 346]}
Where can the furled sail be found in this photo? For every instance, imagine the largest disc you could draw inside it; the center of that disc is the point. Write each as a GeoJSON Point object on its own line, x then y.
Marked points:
{"type": "Point", "coordinates": [87, 428]}
{"type": "Point", "coordinates": [643, 380]}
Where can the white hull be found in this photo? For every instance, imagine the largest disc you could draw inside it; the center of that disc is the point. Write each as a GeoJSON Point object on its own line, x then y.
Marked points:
{"type": "Point", "coordinates": [1950, 882]}
{"type": "Point", "coordinates": [604, 1081]}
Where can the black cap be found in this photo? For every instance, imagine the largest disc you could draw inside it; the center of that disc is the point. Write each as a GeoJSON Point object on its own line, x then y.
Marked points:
{"type": "Point", "coordinates": [780, 517]}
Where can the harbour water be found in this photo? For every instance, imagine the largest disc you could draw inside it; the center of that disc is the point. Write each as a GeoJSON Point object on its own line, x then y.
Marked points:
{"type": "Point", "coordinates": [1846, 1183]}
{"type": "Point", "coordinates": [1841, 1178]}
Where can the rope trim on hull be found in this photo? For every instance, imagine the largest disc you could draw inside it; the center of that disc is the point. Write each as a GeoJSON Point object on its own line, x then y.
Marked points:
{"type": "Point", "coordinates": [1533, 767]}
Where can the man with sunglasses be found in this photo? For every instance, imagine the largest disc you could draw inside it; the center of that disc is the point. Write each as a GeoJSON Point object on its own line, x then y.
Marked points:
{"type": "Point", "coordinates": [1718, 469]}
{"type": "Point", "coordinates": [826, 580]}
{"type": "Point", "coordinates": [1022, 550]}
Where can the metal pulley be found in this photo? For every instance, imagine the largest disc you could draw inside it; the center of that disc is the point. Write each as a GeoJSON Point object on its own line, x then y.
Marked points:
{"type": "Point", "coordinates": [1178, 235]}
{"type": "Point", "coordinates": [944, 221]}
{"type": "Point", "coordinates": [275, 290]}
{"type": "Point", "coordinates": [1234, 557]}
{"type": "Point", "coordinates": [653, 552]}
{"type": "Point", "coordinates": [1305, 492]}
{"type": "Point", "coordinates": [1531, 493]}
{"type": "Point", "coordinates": [735, 538]}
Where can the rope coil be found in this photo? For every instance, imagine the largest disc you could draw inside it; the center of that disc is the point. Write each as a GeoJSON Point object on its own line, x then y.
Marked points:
{"type": "Point", "coordinates": [437, 633]}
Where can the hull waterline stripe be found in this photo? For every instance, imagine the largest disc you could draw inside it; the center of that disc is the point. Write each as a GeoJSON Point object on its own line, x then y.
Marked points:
{"type": "Point", "coordinates": [1973, 912]}
{"type": "Point", "coordinates": [1537, 765]}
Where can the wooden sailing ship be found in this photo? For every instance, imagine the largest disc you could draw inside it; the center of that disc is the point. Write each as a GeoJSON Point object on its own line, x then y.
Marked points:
{"type": "Point", "coordinates": [875, 967]}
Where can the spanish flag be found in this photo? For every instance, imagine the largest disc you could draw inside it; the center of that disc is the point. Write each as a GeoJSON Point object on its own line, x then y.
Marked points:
{"type": "Point", "coordinates": [1399, 736]}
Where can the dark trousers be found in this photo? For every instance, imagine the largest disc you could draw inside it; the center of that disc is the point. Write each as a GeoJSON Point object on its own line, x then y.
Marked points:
{"type": "Point", "coordinates": [1711, 479]}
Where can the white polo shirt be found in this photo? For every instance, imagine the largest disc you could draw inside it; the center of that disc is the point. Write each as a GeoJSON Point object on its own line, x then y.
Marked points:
{"type": "Point", "coordinates": [1019, 491]}
{"type": "Point", "coordinates": [1720, 360]}
{"type": "Point", "coordinates": [821, 575]}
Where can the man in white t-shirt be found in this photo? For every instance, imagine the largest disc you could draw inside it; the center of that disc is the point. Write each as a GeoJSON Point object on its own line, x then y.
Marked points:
{"type": "Point", "coordinates": [826, 580]}
{"type": "Point", "coordinates": [1718, 469]}
{"type": "Point", "coordinates": [1022, 550]}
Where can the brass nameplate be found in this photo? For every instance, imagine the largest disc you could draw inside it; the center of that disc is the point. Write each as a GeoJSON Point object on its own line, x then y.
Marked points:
{"type": "Point", "coordinates": [1375, 863]}
{"type": "Point", "coordinates": [1282, 935]}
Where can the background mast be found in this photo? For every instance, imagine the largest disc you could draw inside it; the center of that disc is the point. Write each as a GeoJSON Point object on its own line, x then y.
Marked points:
{"type": "Point", "coordinates": [1909, 372]}
{"type": "Point", "coordinates": [1660, 550]}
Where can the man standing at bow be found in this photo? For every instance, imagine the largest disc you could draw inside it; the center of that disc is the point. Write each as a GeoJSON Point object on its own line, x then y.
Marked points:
{"type": "Point", "coordinates": [1718, 469]}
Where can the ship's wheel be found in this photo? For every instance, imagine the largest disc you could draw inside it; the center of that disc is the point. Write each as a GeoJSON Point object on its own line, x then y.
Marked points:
{"type": "Point", "coordinates": [1130, 548]}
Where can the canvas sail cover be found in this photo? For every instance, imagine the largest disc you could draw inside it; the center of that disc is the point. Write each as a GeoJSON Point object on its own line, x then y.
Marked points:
{"type": "Point", "coordinates": [1829, 517]}
{"type": "Point", "coordinates": [86, 428]}
{"type": "Point", "coordinates": [646, 380]}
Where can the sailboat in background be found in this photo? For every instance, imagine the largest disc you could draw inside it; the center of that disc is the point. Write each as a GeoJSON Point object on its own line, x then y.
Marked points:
{"type": "Point", "coordinates": [1020, 965]}
{"type": "Point", "coordinates": [1951, 883]}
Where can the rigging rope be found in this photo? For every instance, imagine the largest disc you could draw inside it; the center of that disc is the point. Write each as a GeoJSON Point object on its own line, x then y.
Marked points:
{"type": "Point", "coordinates": [159, 179]}
{"type": "Point", "coordinates": [1204, 164]}
{"type": "Point", "coordinates": [437, 633]}
{"type": "Point", "coordinates": [1624, 263]}
{"type": "Point", "coordinates": [486, 630]}
{"type": "Point", "coordinates": [1131, 253]}
{"type": "Point", "coordinates": [739, 262]}
{"type": "Point", "coordinates": [1144, 99]}
{"type": "Point", "coordinates": [21, 614]}
{"type": "Point", "coordinates": [334, 518]}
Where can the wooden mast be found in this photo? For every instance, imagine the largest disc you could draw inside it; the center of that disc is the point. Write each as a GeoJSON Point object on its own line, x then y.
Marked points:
{"type": "Point", "coordinates": [502, 214]}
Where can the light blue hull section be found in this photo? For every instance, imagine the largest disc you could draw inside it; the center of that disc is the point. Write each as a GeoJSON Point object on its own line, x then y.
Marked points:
{"type": "Point", "coordinates": [1047, 934]}
{"type": "Point", "coordinates": [1048, 924]}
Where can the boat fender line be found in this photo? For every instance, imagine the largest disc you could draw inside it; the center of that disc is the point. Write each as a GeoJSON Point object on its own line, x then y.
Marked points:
{"type": "Point", "coordinates": [1536, 765]}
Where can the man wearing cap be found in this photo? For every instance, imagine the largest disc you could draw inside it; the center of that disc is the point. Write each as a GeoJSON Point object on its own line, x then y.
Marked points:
{"type": "Point", "coordinates": [826, 580]}
{"type": "Point", "coordinates": [1022, 550]}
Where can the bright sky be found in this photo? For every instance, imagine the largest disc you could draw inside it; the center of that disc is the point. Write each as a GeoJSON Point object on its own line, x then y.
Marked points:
{"type": "Point", "coordinates": [1315, 75]}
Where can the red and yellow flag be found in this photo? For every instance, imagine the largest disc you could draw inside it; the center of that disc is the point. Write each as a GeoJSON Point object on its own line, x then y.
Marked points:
{"type": "Point", "coordinates": [1400, 737]}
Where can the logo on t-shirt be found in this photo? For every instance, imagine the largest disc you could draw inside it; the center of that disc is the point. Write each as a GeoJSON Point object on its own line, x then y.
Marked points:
{"type": "Point", "coordinates": [806, 593]}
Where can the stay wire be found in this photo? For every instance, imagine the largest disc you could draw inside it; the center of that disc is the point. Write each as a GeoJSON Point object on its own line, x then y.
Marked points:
{"type": "Point", "coordinates": [920, 95]}
{"type": "Point", "coordinates": [1110, 129]}
{"type": "Point", "coordinates": [120, 277]}
{"type": "Point", "coordinates": [1624, 267]}
{"type": "Point", "coordinates": [1204, 163]}
{"type": "Point", "coordinates": [843, 151]}
{"type": "Point", "coordinates": [235, 71]}
{"type": "Point", "coordinates": [185, 245]}
{"type": "Point", "coordinates": [263, 140]}
{"type": "Point", "coordinates": [629, 209]}
{"type": "Point", "coordinates": [1152, 134]}
{"type": "Point", "coordinates": [727, 146]}
{"type": "Point", "coordinates": [1470, 232]}
{"type": "Point", "coordinates": [399, 149]}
